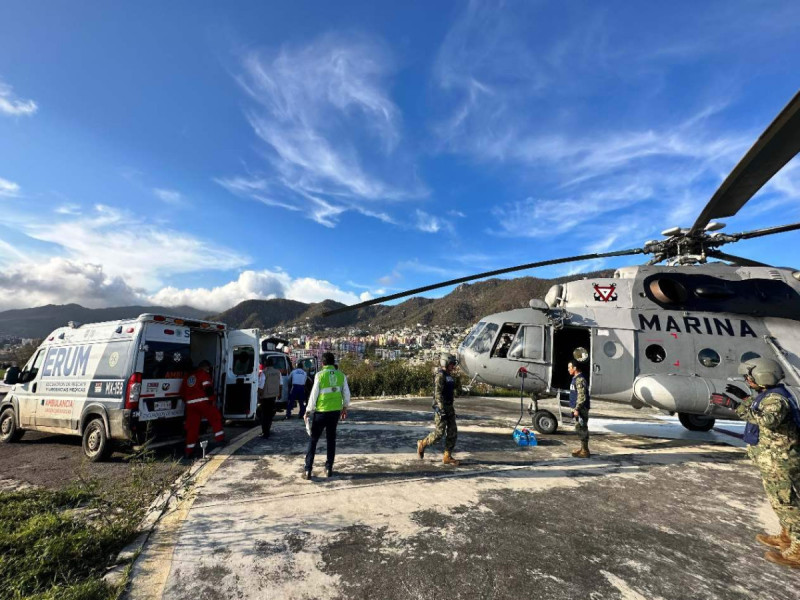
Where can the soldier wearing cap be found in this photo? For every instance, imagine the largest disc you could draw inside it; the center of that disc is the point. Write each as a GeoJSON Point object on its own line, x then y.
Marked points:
{"type": "Point", "coordinates": [444, 419]}
{"type": "Point", "coordinates": [580, 403]}
{"type": "Point", "coordinates": [773, 437]}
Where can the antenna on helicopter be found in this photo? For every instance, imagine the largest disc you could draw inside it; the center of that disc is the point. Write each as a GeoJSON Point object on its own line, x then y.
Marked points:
{"type": "Point", "coordinates": [779, 143]}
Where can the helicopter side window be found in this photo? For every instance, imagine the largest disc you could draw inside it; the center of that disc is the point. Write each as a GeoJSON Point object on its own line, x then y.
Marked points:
{"type": "Point", "coordinates": [529, 343]}
{"type": "Point", "coordinates": [483, 342]}
{"type": "Point", "coordinates": [504, 340]}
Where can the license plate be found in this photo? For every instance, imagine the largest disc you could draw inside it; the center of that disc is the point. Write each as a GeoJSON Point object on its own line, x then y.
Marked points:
{"type": "Point", "coordinates": [162, 405]}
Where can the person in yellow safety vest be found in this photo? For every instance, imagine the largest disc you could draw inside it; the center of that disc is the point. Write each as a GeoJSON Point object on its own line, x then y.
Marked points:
{"type": "Point", "coordinates": [328, 401]}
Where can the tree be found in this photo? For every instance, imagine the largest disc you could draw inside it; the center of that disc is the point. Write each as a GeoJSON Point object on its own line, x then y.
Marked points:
{"type": "Point", "coordinates": [22, 353]}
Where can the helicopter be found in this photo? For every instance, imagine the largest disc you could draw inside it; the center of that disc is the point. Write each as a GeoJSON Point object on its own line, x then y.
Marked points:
{"type": "Point", "coordinates": [668, 336]}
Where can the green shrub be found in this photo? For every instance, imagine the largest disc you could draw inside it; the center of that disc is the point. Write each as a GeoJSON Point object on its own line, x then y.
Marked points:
{"type": "Point", "coordinates": [390, 378]}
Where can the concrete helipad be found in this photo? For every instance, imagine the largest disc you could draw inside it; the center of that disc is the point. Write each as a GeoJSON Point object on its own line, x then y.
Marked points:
{"type": "Point", "coordinates": [658, 512]}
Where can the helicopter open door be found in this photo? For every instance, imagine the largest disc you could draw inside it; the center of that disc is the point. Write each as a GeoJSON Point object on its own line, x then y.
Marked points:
{"type": "Point", "coordinates": [565, 341]}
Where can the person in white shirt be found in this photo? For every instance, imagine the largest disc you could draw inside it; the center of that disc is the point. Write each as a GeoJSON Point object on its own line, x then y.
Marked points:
{"type": "Point", "coordinates": [297, 391]}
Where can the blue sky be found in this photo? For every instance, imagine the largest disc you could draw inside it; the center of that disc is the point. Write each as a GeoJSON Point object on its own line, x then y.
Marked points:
{"type": "Point", "coordinates": [202, 153]}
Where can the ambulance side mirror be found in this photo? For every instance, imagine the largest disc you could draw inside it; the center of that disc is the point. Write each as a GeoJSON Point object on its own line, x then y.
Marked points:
{"type": "Point", "coordinates": [13, 378]}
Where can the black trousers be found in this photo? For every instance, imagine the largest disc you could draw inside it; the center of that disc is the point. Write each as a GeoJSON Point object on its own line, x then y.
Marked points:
{"type": "Point", "coordinates": [266, 409]}
{"type": "Point", "coordinates": [327, 421]}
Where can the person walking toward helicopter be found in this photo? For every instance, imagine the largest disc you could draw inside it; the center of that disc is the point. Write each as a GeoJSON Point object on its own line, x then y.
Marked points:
{"type": "Point", "coordinates": [580, 402]}
{"type": "Point", "coordinates": [773, 437]}
{"type": "Point", "coordinates": [444, 420]}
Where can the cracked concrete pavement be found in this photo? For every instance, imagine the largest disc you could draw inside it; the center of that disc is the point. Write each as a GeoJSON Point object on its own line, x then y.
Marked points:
{"type": "Point", "coordinates": [658, 512]}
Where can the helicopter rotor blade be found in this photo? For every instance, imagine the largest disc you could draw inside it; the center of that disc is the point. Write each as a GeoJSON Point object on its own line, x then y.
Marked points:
{"type": "Point", "coordinates": [737, 260]}
{"type": "Point", "coordinates": [435, 286]}
{"type": "Point", "coordinates": [779, 143]}
{"type": "Point", "coordinates": [748, 235]}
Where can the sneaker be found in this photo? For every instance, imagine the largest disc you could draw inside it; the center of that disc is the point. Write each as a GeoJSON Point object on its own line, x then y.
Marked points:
{"type": "Point", "coordinates": [307, 475]}
{"type": "Point", "coordinates": [328, 472]}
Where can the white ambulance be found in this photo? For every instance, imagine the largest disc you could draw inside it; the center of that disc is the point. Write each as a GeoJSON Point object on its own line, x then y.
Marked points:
{"type": "Point", "coordinates": [120, 381]}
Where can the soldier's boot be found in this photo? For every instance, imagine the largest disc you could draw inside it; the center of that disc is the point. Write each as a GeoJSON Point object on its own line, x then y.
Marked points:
{"type": "Point", "coordinates": [421, 447]}
{"type": "Point", "coordinates": [781, 540]}
{"type": "Point", "coordinates": [449, 460]}
{"type": "Point", "coordinates": [584, 451]}
{"type": "Point", "coordinates": [789, 557]}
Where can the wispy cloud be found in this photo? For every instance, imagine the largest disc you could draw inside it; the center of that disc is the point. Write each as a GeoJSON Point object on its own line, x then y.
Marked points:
{"type": "Point", "coordinates": [332, 135]}
{"type": "Point", "coordinates": [68, 209]}
{"type": "Point", "coordinates": [13, 106]}
{"type": "Point", "coordinates": [430, 223]}
{"type": "Point", "coordinates": [172, 197]}
{"type": "Point", "coordinates": [8, 189]}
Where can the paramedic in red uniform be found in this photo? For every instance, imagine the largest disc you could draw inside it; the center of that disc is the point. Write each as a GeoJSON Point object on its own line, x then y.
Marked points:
{"type": "Point", "coordinates": [198, 395]}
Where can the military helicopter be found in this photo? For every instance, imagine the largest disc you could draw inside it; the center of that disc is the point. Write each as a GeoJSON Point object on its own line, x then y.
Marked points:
{"type": "Point", "coordinates": [666, 336]}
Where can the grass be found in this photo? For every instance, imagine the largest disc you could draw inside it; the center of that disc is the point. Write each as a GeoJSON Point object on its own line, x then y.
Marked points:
{"type": "Point", "coordinates": [57, 544]}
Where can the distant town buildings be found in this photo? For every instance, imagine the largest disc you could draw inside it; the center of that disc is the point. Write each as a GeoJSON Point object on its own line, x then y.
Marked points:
{"type": "Point", "coordinates": [417, 344]}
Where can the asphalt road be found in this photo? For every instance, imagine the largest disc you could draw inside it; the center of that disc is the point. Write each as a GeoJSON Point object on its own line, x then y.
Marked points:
{"type": "Point", "coordinates": [656, 513]}
{"type": "Point", "coordinates": [53, 461]}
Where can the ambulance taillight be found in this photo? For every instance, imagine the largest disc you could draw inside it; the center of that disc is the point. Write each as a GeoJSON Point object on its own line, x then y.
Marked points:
{"type": "Point", "coordinates": [133, 392]}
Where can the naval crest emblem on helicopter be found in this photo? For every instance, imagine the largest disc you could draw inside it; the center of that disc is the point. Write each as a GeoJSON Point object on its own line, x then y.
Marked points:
{"type": "Point", "coordinates": [605, 293]}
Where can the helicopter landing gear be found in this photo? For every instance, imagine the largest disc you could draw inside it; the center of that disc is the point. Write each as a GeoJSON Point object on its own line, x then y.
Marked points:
{"type": "Point", "coordinates": [696, 422]}
{"type": "Point", "coordinates": [544, 421]}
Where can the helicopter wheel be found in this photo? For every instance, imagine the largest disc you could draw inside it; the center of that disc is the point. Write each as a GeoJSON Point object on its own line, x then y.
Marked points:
{"type": "Point", "coordinates": [696, 422]}
{"type": "Point", "coordinates": [544, 421]}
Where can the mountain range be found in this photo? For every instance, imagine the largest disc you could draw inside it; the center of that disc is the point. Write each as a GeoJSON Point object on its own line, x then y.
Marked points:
{"type": "Point", "coordinates": [462, 307]}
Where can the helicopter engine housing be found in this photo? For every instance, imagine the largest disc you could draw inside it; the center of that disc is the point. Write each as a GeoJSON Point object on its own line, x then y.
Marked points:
{"type": "Point", "coordinates": [678, 393]}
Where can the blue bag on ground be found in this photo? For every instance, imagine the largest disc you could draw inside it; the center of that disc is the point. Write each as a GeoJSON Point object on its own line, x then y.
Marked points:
{"type": "Point", "coordinates": [524, 437]}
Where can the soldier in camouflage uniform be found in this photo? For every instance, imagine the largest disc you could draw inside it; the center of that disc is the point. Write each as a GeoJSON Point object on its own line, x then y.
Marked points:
{"type": "Point", "coordinates": [580, 403]}
{"type": "Point", "coordinates": [773, 437]}
{"type": "Point", "coordinates": [445, 418]}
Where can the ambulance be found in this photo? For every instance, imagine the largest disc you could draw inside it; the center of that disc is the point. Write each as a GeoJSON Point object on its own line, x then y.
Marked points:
{"type": "Point", "coordinates": [120, 381]}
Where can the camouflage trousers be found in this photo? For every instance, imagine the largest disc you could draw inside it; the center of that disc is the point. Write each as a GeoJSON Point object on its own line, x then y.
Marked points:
{"type": "Point", "coordinates": [780, 475]}
{"type": "Point", "coordinates": [445, 426]}
{"type": "Point", "coordinates": [582, 430]}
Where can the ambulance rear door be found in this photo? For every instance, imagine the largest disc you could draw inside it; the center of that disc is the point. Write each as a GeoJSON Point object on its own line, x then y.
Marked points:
{"type": "Point", "coordinates": [241, 387]}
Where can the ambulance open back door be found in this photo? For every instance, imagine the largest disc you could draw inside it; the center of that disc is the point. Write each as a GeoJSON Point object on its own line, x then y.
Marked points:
{"type": "Point", "coordinates": [241, 377]}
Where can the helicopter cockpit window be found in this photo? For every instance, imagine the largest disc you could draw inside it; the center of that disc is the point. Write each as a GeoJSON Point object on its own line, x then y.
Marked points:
{"type": "Point", "coordinates": [472, 334]}
{"type": "Point", "coordinates": [504, 340]}
{"type": "Point", "coordinates": [655, 353]}
{"type": "Point", "coordinates": [483, 341]}
{"type": "Point", "coordinates": [708, 357]}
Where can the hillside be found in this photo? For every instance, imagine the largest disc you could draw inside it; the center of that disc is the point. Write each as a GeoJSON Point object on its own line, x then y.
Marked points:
{"type": "Point", "coordinates": [462, 307]}
{"type": "Point", "coordinates": [38, 322]}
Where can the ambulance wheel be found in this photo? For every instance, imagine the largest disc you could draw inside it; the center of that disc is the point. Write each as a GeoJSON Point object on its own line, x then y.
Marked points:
{"type": "Point", "coordinates": [96, 445]}
{"type": "Point", "coordinates": [696, 422]}
{"type": "Point", "coordinates": [9, 432]}
{"type": "Point", "coordinates": [544, 421]}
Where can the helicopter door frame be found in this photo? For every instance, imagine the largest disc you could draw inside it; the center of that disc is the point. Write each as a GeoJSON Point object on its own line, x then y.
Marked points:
{"type": "Point", "coordinates": [562, 344]}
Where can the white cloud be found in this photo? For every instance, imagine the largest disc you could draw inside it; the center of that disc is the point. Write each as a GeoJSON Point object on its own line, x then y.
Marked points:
{"type": "Point", "coordinates": [13, 106]}
{"type": "Point", "coordinates": [25, 283]}
{"type": "Point", "coordinates": [255, 285]}
{"type": "Point", "coordinates": [62, 281]}
{"type": "Point", "coordinates": [169, 196]}
{"type": "Point", "coordinates": [130, 247]}
{"type": "Point", "coordinates": [8, 189]}
{"type": "Point", "coordinates": [333, 135]}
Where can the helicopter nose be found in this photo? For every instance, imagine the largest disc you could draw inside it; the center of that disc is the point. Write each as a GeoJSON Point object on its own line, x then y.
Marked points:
{"type": "Point", "coordinates": [463, 360]}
